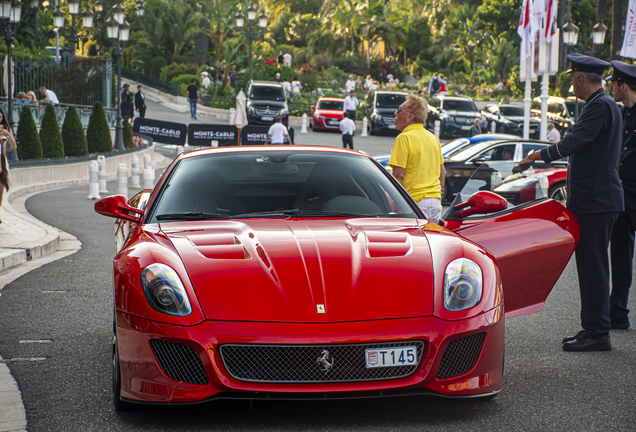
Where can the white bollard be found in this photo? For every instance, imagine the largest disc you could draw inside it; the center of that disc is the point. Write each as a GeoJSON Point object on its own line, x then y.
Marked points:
{"type": "Point", "coordinates": [230, 118]}
{"type": "Point", "coordinates": [438, 126]}
{"type": "Point", "coordinates": [101, 161]}
{"type": "Point", "coordinates": [122, 180]}
{"type": "Point", "coordinates": [303, 124]}
{"type": "Point", "coordinates": [493, 127]}
{"type": "Point", "coordinates": [134, 181]}
{"type": "Point", "coordinates": [365, 126]}
{"type": "Point", "coordinates": [147, 161]}
{"type": "Point", "coordinates": [93, 185]}
{"type": "Point", "coordinates": [149, 178]}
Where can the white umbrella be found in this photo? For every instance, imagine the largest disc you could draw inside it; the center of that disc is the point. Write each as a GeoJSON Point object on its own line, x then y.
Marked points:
{"type": "Point", "coordinates": [240, 116]}
{"type": "Point", "coordinates": [5, 77]}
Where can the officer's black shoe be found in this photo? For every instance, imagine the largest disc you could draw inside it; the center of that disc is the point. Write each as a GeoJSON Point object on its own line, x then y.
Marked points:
{"type": "Point", "coordinates": [620, 325]}
{"type": "Point", "coordinates": [571, 338]}
{"type": "Point", "coordinates": [582, 343]}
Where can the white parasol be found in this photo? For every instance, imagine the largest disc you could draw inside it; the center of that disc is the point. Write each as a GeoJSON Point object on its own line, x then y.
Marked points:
{"type": "Point", "coordinates": [240, 116]}
{"type": "Point", "coordinates": [5, 77]}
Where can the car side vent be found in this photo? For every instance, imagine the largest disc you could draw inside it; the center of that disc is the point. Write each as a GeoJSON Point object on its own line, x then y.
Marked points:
{"type": "Point", "coordinates": [460, 356]}
{"type": "Point", "coordinates": [179, 362]}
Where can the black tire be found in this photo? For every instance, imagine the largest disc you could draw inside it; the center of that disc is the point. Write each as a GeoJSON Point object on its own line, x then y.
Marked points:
{"type": "Point", "coordinates": [558, 192]}
{"type": "Point", "coordinates": [119, 404]}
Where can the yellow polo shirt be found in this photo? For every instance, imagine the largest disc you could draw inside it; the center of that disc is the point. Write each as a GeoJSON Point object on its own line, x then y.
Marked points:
{"type": "Point", "coordinates": [420, 154]}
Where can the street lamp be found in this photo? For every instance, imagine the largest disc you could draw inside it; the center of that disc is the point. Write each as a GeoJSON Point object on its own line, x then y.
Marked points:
{"type": "Point", "coordinates": [73, 9]}
{"type": "Point", "coordinates": [251, 32]}
{"type": "Point", "coordinates": [119, 29]}
{"type": "Point", "coordinates": [10, 14]}
{"type": "Point", "coordinates": [598, 33]}
{"type": "Point", "coordinates": [570, 34]}
{"type": "Point", "coordinates": [140, 8]}
{"type": "Point", "coordinates": [99, 7]}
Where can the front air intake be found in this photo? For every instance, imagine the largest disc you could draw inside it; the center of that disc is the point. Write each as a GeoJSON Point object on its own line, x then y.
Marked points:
{"type": "Point", "coordinates": [460, 356]}
{"type": "Point", "coordinates": [179, 362]}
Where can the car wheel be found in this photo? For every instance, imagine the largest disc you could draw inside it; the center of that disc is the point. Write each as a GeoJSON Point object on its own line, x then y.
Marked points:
{"type": "Point", "coordinates": [119, 404]}
{"type": "Point", "coordinates": [558, 192]}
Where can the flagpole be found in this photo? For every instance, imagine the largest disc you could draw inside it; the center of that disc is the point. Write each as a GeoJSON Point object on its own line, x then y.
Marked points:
{"type": "Point", "coordinates": [527, 100]}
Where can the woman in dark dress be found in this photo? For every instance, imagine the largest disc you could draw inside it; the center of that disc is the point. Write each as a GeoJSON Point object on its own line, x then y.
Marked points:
{"type": "Point", "coordinates": [128, 108]}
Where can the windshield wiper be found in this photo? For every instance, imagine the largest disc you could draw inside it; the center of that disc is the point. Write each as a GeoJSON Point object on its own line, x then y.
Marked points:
{"type": "Point", "coordinates": [192, 216]}
{"type": "Point", "coordinates": [297, 212]}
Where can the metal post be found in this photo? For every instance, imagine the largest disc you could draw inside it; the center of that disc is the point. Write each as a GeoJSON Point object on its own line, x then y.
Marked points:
{"type": "Point", "coordinates": [251, 40]}
{"type": "Point", "coordinates": [13, 155]}
{"type": "Point", "coordinates": [119, 129]}
{"type": "Point", "coordinates": [73, 39]}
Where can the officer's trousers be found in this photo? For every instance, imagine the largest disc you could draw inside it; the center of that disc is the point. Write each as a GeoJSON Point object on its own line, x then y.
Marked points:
{"type": "Point", "coordinates": [622, 256]}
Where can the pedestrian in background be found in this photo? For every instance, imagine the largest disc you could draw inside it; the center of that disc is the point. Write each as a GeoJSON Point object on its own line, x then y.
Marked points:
{"type": "Point", "coordinates": [350, 85]}
{"type": "Point", "coordinates": [125, 92]}
{"type": "Point", "coordinates": [594, 195]}
{"type": "Point", "coordinates": [296, 86]}
{"type": "Point", "coordinates": [205, 79]}
{"type": "Point", "coordinates": [6, 136]}
{"type": "Point", "coordinates": [553, 133]}
{"type": "Point", "coordinates": [348, 128]}
{"type": "Point", "coordinates": [281, 58]}
{"type": "Point", "coordinates": [277, 133]}
{"type": "Point", "coordinates": [140, 102]}
{"type": "Point", "coordinates": [367, 84]}
{"type": "Point", "coordinates": [359, 84]}
{"type": "Point", "coordinates": [233, 75]}
{"type": "Point", "coordinates": [193, 98]}
{"type": "Point", "coordinates": [287, 59]}
{"type": "Point", "coordinates": [476, 129]}
{"type": "Point", "coordinates": [128, 108]}
{"type": "Point", "coordinates": [351, 104]}
{"type": "Point", "coordinates": [32, 98]}
{"type": "Point", "coordinates": [623, 81]}
{"type": "Point", "coordinates": [442, 85]}
{"type": "Point", "coordinates": [49, 96]}
{"type": "Point", "coordinates": [416, 158]}
{"type": "Point", "coordinates": [434, 85]}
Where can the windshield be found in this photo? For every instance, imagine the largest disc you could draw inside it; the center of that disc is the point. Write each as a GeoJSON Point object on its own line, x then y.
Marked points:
{"type": "Point", "coordinates": [454, 146]}
{"type": "Point", "coordinates": [389, 100]}
{"type": "Point", "coordinates": [279, 184]}
{"type": "Point", "coordinates": [330, 105]}
{"type": "Point", "coordinates": [271, 93]}
{"type": "Point", "coordinates": [572, 107]}
{"type": "Point", "coordinates": [497, 177]}
{"type": "Point", "coordinates": [467, 152]}
{"type": "Point", "coordinates": [459, 105]}
{"type": "Point", "coordinates": [511, 111]}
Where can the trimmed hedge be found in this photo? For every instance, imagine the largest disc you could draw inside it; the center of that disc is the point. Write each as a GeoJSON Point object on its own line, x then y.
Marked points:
{"type": "Point", "coordinates": [73, 134]}
{"type": "Point", "coordinates": [98, 132]}
{"type": "Point", "coordinates": [28, 140]}
{"type": "Point", "coordinates": [50, 136]}
{"type": "Point", "coordinates": [128, 133]}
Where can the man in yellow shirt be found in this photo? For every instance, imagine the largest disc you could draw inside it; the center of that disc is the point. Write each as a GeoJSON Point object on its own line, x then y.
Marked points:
{"type": "Point", "coordinates": [416, 158]}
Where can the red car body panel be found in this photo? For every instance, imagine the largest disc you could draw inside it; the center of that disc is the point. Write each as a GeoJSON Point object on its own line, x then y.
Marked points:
{"type": "Point", "coordinates": [260, 281]}
{"type": "Point", "coordinates": [323, 123]}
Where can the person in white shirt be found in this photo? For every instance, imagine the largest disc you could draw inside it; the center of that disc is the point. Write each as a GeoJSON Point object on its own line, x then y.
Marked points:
{"type": "Point", "coordinates": [287, 58]}
{"type": "Point", "coordinates": [277, 133]}
{"type": "Point", "coordinates": [348, 128]}
{"type": "Point", "coordinates": [351, 104]}
{"type": "Point", "coordinates": [205, 81]}
{"type": "Point", "coordinates": [350, 85]}
{"type": "Point", "coordinates": [287, 86]}
{"type": "Point", "coordinates": [49, 96]}
{"type": "Point", "coordinates": [374, 86]}
{"type": "Point", "coordinates": [367, 83]}
{"type": "Point", "coordinates": [296, 86]}
{"type": "Point", "coordinates": [553, 133]}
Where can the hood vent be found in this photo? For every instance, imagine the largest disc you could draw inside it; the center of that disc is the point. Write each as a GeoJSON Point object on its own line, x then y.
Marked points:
{"type": "Point", "coordinates": [219, 246]}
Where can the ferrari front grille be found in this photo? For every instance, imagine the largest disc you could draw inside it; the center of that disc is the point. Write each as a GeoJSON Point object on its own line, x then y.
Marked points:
{"type": "Point", "coordinates": [301, 363]}
{"type": "Point", "coordinates": [460, 356]}
{"type": "Point", "coordinates": [179, 362]}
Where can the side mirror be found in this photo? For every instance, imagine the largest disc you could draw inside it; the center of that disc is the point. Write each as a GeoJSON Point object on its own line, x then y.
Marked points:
{"type": "Point", "coordinates": [117, 206]}
{"type": "Point", "coordinates": [482, 202]}
{"type": "Point", "coordinates": [479, 160]}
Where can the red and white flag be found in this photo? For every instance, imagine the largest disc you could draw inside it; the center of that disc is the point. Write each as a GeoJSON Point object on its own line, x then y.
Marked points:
{"type": "Point", "coordinates": [523, 30]}
{"type": "Point", "coordinates": [550, 20]}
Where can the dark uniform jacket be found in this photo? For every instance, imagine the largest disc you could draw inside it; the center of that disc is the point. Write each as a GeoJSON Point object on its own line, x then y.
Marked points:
{"type": "Point", "coordinates": [594, 147]}
{"type": "Point", "coordinates": [627, 165]}
{"type": "Point", "coordinates": [140, 102]}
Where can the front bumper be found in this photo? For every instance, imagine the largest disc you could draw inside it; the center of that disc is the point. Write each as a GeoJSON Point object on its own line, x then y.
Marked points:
{"type": "Point", "coordinates": [323, 124]}
{"type": "Point", "coordinates": [144, 380]}
{"type": "Point", "coordinates": [377, 125]}
{"type": "Point", "coordinates": [258, 120]}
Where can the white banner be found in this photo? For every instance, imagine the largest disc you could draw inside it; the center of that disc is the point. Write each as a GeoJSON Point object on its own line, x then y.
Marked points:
{"type": "Point", "coordinates": [629, 41]}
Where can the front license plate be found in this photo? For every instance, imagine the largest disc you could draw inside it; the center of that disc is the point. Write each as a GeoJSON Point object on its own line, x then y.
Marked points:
{"type": "Point", "coordinates": [389, 357]}
{"type": "Point", "coordinates": [466, 127]}
{"type": "Point", "coordinates": [333, 122]}
{"type": "Point", "coordinates": [267, 118]}
{"type": "Point", "coordinates": [391, 126]}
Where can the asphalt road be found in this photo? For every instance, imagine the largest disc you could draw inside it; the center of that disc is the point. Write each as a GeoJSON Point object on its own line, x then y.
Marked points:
{"type": "Point", "coordinates": [65, 377]}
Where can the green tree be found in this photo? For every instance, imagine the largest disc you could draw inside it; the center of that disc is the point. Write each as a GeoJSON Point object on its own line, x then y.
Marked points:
{"type": "Point", "coordinates": [28, 140]}
{"type": "Point", "coordinates": [50, 136]}
{"type": "Point", "coordinates": [98, 131]}
{"type": "Point", "coordinates": [73, 134]}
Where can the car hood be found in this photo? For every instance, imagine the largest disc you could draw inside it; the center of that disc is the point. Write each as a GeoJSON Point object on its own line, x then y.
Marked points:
{"type": "Point", "coordinates": [385, 111]}
{"type": "Point", "coordinates": [291, 270]}
{"type": "Point", "coordinates": [519, 119]}
{"type": "Point", "coordinates": [463, 113]}
{"type": "Point", "coordinates": [330, 113]}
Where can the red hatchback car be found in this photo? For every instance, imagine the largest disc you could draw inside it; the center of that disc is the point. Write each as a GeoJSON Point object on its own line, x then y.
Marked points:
{"type": "Point", "coordinates": [327, 113]}
{"type": "Point", "coordinates": [309, 272]}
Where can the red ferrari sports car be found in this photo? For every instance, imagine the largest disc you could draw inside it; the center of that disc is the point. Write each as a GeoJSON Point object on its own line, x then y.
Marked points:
{"type": "Point", "coordinates": [327, 113]}
{"type": "Point", "coordinates": [309, 272]}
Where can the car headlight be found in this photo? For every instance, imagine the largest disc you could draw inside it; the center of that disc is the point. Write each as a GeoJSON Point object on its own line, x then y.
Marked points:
{"type": "Point", "coordinates": [164, 290]}
{"type": "Point", "coordinates": [251, 109]}
{"type": "Point", "coordinates": [284, 112]}
{"type": "Point", "coordinates": [318, 116]}
{"type": "Point", "coordinates": [463, 283]}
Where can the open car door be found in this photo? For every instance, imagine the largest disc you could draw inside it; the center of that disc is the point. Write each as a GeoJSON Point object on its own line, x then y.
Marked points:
{"type": "Point", "coordinates": [532, 239]}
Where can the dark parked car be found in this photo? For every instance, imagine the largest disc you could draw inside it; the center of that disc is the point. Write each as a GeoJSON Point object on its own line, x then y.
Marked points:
{"type": "Point", "coordinates": [460, 166]}
{"type": "Point", "coordinates": [383, 105]}
{"type": "Point", "coordinates": [558, 112]}
{"type": "Point", "coordinates": [509, 119]}
{"type": "Point", "coordinates": [456, 114]}
{"type": "Point", "coordinates": [266, 100]}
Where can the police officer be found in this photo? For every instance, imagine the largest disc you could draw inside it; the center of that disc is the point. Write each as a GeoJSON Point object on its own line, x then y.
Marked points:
{"type": "Point", "coordinates": [594, 195]}
{"type": "Point", "coordinates": [623, 81]}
